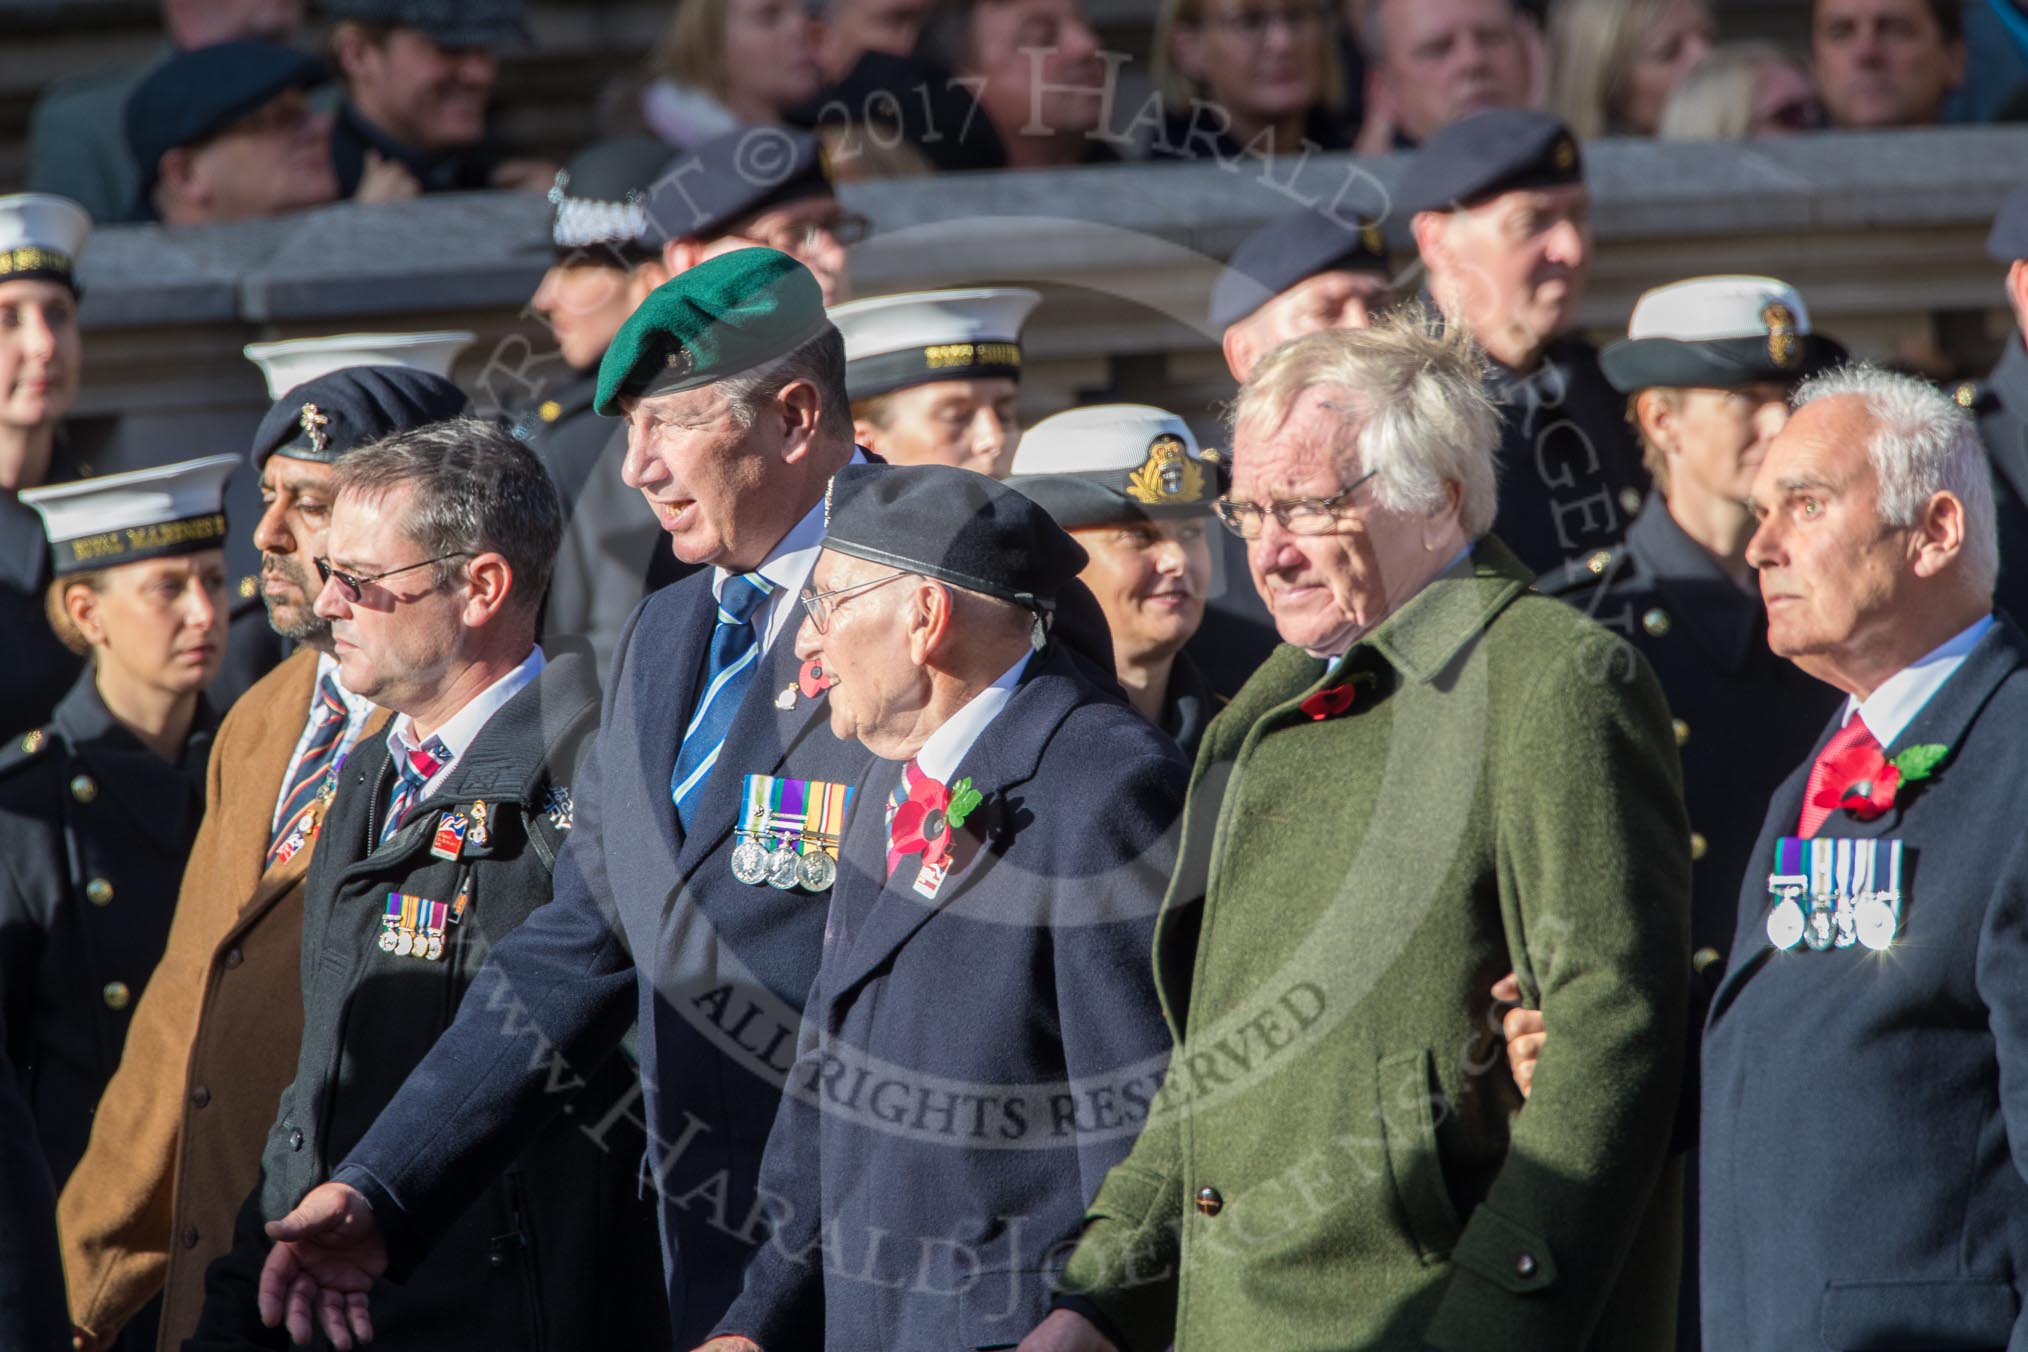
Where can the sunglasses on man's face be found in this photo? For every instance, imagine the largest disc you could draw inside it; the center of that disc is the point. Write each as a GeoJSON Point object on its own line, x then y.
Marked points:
{"type": "Point", "coordinates": [354, 584]}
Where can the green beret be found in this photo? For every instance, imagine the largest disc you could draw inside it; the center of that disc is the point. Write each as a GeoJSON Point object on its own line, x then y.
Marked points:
{"type": "Point", "coordinates": [726, 315]}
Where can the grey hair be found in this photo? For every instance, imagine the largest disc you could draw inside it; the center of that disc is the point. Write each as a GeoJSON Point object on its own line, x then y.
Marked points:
{"type": "Point", "coordinates": [473, 489]}
{"type": "Point", "coordinates": [1373, 32]}
{"type": "Point", "coordinates": [1416, 391]}
{"type": "Point", "coordinates": [821, 362]}
{"type": "Point", "coordinates": [1923, 444]}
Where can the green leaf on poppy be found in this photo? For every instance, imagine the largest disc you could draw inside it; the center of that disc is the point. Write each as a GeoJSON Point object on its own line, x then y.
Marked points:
{"type": "Point", "coordinates": [964, 798]}
{"type": "Point", "coordinates": [1920, 762]}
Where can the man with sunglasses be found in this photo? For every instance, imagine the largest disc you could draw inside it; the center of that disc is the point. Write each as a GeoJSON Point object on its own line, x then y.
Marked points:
{"type": "Point", "coordinates": [711, 757]}
{"type": "Point", "coordinates": [177, 1136]}
{"type": "Point", "coordinates": [440, 840]}
{"type": "Point", "coordinates": [1431, 782]}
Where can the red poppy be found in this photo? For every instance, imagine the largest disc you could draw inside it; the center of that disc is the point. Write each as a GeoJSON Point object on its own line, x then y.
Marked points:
{"type": "Point", "coordinates": [922, 823]}
{"type": "Point", "coordinates": [814, 679]}
{"type": "Point", "coordinates": [1861, 780]}
{"type": "Point", "coordinates": [1328, 702]}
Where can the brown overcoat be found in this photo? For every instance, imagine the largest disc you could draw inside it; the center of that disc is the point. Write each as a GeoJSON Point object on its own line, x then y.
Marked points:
{"type": "Point", "coordinates": [176, 1144]}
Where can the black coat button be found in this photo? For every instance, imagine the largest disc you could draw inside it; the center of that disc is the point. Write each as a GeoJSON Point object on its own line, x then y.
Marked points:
{"type": "Point", "coordinates": [189, 1236]}
{"type": "Point", "coordinates": [1209, 1202]}
{"type": "Point", "coordinates": [296, 1139]}
{"type": "Point", "coordinates": [233, 958]}
{"type": "Point", "coordinates": [199, 1097]}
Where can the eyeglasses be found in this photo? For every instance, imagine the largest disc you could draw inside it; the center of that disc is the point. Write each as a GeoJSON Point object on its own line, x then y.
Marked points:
{"type": "Point", "coordinates": [1255, 24]}
{"type": "Point", "coordinates": [845, 229]}
{"type": "Point", "coordinates": [821, 605]}
{"type": "Point", "coordinates": [1298, 516]}
{"type": "Point", "coordinates": [353, 583]}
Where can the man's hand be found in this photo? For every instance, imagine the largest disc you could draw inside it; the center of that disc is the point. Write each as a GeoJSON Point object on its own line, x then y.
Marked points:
{"type": "Point", "coordinates": [730, 1342]}
{"type": "Point", "coordinates": [1524, 1030]}
{"type": "Point", "coordinates": [1065, 1331]}
{"type": "Point", "coordinates": [385, 180]}
{"type": "Point", "coordinates": [327, 1253]}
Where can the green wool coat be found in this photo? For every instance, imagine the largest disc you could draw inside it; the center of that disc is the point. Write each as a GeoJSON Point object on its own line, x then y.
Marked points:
{"type": "Point", "coordinates": [1339, 1158]}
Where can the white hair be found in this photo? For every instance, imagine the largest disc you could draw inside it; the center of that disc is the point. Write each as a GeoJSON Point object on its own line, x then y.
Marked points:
{"type": "Point", "coordinates": [1923, 444]}
{"type": "Point", "coordinates": [1418, 390]}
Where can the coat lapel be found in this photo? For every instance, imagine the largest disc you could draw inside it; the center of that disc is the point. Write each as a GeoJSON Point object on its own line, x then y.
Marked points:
{"type": "Point", "coordinates": [663, 668]}
{"type": "Point", "coordinates": [1003, 759]}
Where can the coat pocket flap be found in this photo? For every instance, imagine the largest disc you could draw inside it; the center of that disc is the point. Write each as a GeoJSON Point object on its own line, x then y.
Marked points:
{"type": "Point", "coordinates": [1932, 1315]}
{"type": "Point", "coordinates": [1509, 1256]}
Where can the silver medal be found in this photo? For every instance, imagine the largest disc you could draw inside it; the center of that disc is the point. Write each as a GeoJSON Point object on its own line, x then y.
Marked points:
{"type": "Point", "coordinates": [387, 941]}
{"type": "Point", "coordinates": [1821, 932]}
{"type": "Point", "coordinates": [436, 949]}
{"type": "Point", "coordinates": [750, 862]}
{"type": "Point", "coordinates": [818, 872]}
{"type": "Point", "coordinates": [404, 944]}
{"type": "Point", "coordinates": [783, 866]}
{"type": "Point", "coordinates": [1785, 925]}
{"type": "Point", "coordinates": [1875, 923]}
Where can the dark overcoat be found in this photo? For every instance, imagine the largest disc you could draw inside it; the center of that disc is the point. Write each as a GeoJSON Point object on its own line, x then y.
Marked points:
{"type": "Point", "coordinates": [2001, 407]}
{"type": "Point", "coordinates": [554, 1253]}
{"type": "Point", "coordinates": [94, 831]}
{"type": "Point", "coordinates": [646, 924]}
{"type": "Point", "coordinates": [1865, 1131]}
{"type": "Point", "coordinates": [974, 1062]}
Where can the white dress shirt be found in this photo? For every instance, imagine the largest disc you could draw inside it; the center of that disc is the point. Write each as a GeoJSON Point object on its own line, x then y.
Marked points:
{"type": "Point", "coordinates": [462, 728]}
{"type": "Point", "coordinates": [1889, 709]}
{"type": "Point", "coordinates": [945, 750]}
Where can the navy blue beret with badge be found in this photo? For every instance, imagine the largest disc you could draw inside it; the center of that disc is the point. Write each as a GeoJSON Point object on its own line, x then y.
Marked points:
{"type": "Point", "coordinates": [448, 23]}
{"type": "Point", "coordinates": [1718, 333]}
{"type": "Point", "coordinates": [2009, 238]}
{"type": "Point", "coordinates": [601, 201]}
{"type": "Point", "coordinates": [1288, 250]}
{"type": "Point", "coordinates": [324, 418]}
{"type": "Point", "coordinates": [1488, 153]}
{"type": "Point", "coordinates": [956, 526]}
{"type": "Point", "coordinates": [736, 174]}
{"type": "Point", "coordinates": [193, 96]}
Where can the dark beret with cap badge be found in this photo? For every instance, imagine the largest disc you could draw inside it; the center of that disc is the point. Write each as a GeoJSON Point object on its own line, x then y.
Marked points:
{"type": "Point", "coordinates": [1290, 249]}
{"type": "Point", "coordinates": [324, 418]}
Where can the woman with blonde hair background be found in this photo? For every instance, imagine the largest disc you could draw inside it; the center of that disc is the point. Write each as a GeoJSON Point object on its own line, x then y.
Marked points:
{"type": "Point", "coordinates": [1613, 63]}
{"type": "Point", "coordinates": [1236, 75]}
{"type": "Point", "coordinates": [723, 64]}
{"type": "Point", "coordinates": [1742, 89]}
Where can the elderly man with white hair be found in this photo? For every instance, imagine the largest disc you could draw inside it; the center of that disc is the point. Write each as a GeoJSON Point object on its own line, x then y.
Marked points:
{"type": "Point", "coordinates": [1865, 1125]}
{"type": "Point", "coordinates": [1437, 776]}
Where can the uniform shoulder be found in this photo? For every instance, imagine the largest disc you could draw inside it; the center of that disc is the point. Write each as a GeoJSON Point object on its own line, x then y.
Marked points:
{"type": "Point", "coordinates": [1978, 396]}
{"type": "Point", "coordinates": [27, 760]}
{"type": "Point", "coordinates": [1581, 577]}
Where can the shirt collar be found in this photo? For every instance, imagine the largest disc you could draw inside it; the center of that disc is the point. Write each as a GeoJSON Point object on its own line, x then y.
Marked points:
{"type": "Point", "coordinates": [945, 750]}
{"type": "Point", "coordinates": [788, 566]}
{"type": "Point", "coordinates": [462, 728]}
{"type": "Point", "coordinates": [357, 707]}
{"type": "Point", "coordinates": [1889, 709]}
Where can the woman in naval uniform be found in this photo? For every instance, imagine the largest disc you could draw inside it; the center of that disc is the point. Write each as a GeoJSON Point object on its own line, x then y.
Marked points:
{"type": "Point", "coordinates": [99, 806]}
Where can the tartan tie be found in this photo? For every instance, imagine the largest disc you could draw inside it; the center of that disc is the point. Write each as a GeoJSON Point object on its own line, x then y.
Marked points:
{"type": "Point", "coordinates": [735, 650]}
{"type": "Point", "coordinates": [415, 769]}
{"type": "Point", "coordinates": [328, 717]}
{"type": "Point", "coordinates": [1853, 734]}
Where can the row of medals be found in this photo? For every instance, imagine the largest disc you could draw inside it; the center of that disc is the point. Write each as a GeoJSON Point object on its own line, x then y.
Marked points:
{"type": "Point", "coordinates": [408, 943]}
{"type": "Point", "coordinates": [1868, 920]}
{"type": "Point", "coordinates": [782, 866]}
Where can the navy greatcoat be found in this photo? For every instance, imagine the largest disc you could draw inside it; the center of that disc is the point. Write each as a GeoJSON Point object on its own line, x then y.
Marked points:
{"type": "Point", "coordinates": [981, 1058]}
{"type": "Point", "coordinates": [1865, 1132]}
{"type": "Point", "coordinates": [554, 1252]}
{"type": "Point", "coordinates": [94, 830]}
{"type": "Point", "coordinates": [647, 924]}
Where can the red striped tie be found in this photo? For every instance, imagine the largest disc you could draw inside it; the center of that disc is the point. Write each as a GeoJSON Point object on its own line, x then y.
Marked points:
{"type": "Point", "coordinates": [1854, 734]}
{"type": "Point", "coordinates": [328, 716]}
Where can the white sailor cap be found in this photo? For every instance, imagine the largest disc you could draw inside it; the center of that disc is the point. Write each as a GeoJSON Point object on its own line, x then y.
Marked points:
{"type": "Point", "coordinates": [893, 342]}
{"type": "Point", "coordinates": [41, 236]}
{"type": "Point", "coordinates": [141, 514]}
{"type": "Point", "coordinates": [1115, 462]}
{"type": "Point", "coordinates": [1718, 332]}
{"type": "Point", "coordinates": [292, 361]}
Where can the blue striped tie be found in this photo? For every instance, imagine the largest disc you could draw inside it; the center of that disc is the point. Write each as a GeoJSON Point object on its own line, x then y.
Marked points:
{"type": "Point", "coordinates": [735, 649]}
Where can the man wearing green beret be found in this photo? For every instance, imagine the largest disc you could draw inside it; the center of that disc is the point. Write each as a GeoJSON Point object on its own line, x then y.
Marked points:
{"type": "Point", "coordinates": [1437, 778]}
{"type": "Point", "coordinates": [731, 384]}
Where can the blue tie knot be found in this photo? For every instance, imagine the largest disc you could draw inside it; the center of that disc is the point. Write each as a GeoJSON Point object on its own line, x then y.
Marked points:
{"type": "Point", "coordinates": [742, 597]}
{"type": "Point", "coordinates": [331, 702]}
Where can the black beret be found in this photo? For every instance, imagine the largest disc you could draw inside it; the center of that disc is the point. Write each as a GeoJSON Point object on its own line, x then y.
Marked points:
{"type": "Point", "coordinates": [2009, 239]}
{"type": "Point", "coordinates": [1289, 250]}
{"type": "Point", "coordinates": [736, 174]}
{"type": "Point", "coordinates": [954, 525]}
{"type": "Point", "coordinates": [324, 418]}
{"type": "Point", "coordinates": [1495, 151]}
{"type": "Point", "coordinates": [601, 196]}
{"type": "Point", "coordinates": [197, 94]}
{"type": "Point", "coordinates": [448, 23]}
